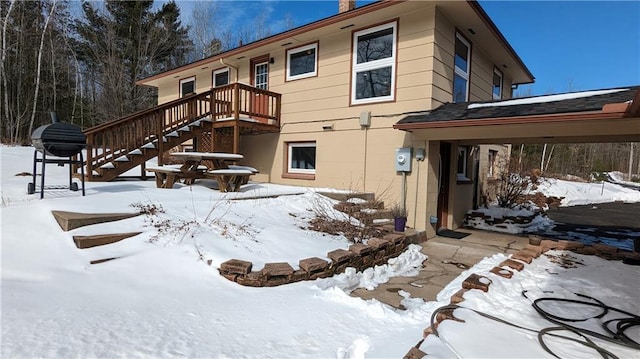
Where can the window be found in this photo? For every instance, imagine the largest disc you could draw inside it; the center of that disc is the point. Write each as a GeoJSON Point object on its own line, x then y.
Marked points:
{"type": "Point", "coordinates": [187, 86]}
{"type": "Point", "coordinates": [491, 171]}
{"type": "Point", "coordinates": [463, 153]}
{"type": "Point", "coordinates": [261, 75]}
{"type": "Point", "coordinates": [461, 67]}
{"type": "Point", "coordinates": [221, 77]}
{"type": "Point", "coordinates": [301, 157]}
{"type": "Point", "coordinates": [497, 84]}
{"type": "Point", "coordinates": [374, 64]}
{"type": "Point", "coordinates": [302, 62]}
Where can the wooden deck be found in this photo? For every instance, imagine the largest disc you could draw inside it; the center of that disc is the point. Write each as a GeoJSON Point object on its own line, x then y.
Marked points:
{"type": "Point", "coordinates": [215, 119]}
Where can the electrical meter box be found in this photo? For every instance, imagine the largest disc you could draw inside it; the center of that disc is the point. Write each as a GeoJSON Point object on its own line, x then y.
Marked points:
{"type": "Point", "coordinates": [403, 159]}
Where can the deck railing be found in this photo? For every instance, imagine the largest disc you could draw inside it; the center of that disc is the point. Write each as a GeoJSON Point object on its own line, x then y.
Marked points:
{"type": "Point", "coordinates": [111, 140]}
{"type": "Point", "coordinates": [238, 100]}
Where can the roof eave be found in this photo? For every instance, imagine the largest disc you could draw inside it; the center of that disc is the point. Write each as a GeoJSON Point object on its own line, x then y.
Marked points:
{"type": "Point", "coordinates": [492, 26]}
{"type": "Point", "coordinates": [277, 37]}
{"type": "Point", "coordinates": [613, 112]}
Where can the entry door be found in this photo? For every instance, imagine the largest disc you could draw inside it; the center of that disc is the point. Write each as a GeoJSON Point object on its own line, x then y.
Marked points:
{"type": "Point", "coordinates": [443, 184]}
{"type": "Point", "coordinates": [260, 80]}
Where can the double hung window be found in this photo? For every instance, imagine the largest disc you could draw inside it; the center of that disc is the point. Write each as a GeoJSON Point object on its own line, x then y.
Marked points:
{"type": "Point", "coordinates": [374, 64]}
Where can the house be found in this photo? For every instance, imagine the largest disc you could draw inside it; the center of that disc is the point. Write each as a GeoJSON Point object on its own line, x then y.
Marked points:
{"type": "Point", "coordinates": [407, 99]}
{"type": "Point", "coordinates": [317, 105]}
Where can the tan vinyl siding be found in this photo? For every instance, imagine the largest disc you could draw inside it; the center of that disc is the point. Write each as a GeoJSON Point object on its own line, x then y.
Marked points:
{"type": "Point", "coordinates": [349, 156]}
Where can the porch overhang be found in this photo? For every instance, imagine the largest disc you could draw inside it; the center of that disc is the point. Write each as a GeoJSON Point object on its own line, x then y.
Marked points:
{"type": "Point", "coordinates": [609, 117]}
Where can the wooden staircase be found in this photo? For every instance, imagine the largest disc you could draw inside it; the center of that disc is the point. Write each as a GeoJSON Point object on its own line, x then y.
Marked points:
{"type": "Point", "coordinates": [229, 111]}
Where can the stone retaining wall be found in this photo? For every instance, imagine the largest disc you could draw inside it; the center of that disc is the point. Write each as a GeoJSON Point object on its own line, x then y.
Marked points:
{"type": "Point", "coordinates": [377, 251]}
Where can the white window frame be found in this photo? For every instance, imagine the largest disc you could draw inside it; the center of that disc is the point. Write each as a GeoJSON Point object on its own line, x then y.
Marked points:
{"type": "Point", "coordinates": [183, 81]}
{"type": "Point", "coordinates": [463, 152]}
{"type": "Point", "coordinates": [464, 73]}
{"type": "Point", "coordinates": [492, 158]}
{"type": "Point", "coordinates": [296, 50]}
{"type": "Point", "coordinates": [373, 65]}
{"type": "Point", "coordinates": [219, 71]}
{"type": "Point", "coordinates": [290, 147]}
{"type": "Point", "coordinates": [265, 84]}
{"type": "Point", "coordinates": [501, 76]}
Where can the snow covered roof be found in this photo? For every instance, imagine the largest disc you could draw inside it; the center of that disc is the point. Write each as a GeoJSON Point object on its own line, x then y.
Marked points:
{"type": "Point", "coordinates": [583, 101]}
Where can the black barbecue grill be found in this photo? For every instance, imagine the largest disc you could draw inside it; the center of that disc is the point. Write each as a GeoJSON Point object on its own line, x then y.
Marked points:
{"type": "Point", "coordinates": [63, 141]}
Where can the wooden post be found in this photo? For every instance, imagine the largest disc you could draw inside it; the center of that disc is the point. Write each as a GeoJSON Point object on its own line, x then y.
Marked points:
{"type": "Point", "coordinates": [160, 121]}
{"type": "Point", "coordinates": [236, 116]}
{"type": "Point", "coordinates": [278, 108]}
{"type": "Point", "coordinates": [90, 142]}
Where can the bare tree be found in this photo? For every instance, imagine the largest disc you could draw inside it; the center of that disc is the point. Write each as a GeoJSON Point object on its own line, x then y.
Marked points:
{"type": "Point", "coordinates": [203, 29]}
{"type": "Point", "coordinates": [39, 65]}
{"type": "Point", "coordinates": [3, 56]}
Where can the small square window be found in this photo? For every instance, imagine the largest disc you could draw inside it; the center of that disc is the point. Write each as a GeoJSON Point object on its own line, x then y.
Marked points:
{"type": "Point", "coordinates": [301, 157]}
{"type": "Point", "coordinates": [302, 62]}
{"type": "Point", "coordinates": [373, 83]}
{"type": "Point", "coordinates": [221, 77]}
{"type": "Point", "coordinates": [187, 86]}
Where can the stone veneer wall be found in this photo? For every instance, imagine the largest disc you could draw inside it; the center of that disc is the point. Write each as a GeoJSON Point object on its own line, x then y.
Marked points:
{"type": "Point", "coordinates": [377, 251]}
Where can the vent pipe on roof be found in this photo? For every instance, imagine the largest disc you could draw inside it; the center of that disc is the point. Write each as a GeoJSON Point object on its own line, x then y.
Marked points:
{"type": "Point", "coordinates": [346, 5]}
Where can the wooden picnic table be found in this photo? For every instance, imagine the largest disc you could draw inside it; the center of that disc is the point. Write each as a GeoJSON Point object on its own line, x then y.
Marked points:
{"type": "Point", "coordinates": [229, 179]}
{"type": "Point", "coordinates": [218, 159]}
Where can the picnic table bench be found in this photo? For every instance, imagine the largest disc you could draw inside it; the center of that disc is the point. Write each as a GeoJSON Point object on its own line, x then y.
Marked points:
{"type": "Point", "coordinates": [229, 180]}
{"type": "Point", "coordinates": [168, 175]}
{"type": "Point", "coordinates": [229, 177]}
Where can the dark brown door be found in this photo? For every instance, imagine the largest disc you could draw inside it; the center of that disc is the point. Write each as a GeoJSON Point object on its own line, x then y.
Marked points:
{"type": "Point", "coordinates": [443, 184]}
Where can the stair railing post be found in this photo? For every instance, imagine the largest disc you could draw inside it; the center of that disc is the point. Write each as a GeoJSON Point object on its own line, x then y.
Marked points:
{"type": "Point", "coordinates": [90, 143]}
{"type": "Point", "coordinates": [160, 123]}
{"type": "Point", "coordinates": [236, 115]}
{"type": "Point", "coordinates": [278, 108]}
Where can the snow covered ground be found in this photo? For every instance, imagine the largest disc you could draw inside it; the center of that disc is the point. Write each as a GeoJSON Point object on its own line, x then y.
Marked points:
{"type": "Point", "coordinates": [161, 298]}
{"type": "Point", "coordinates": [572, 194]}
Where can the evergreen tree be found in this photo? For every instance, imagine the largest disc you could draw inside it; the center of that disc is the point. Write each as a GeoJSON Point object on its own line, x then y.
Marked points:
{"type": "Point", "coordinates": [123, 43]}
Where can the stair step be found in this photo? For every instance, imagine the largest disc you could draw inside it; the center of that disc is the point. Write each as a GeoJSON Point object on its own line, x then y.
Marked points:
{"type": "Point", "coordinates": [98, 261]}
{"type": "Point", "coordinates": [148, 145]}
{"type": "Point", "coordinates": [108, 165]}
{"type": "Point", "coordinates": [83, 242]}
{"type": "Point", "coordinates": [73, 220]}
{"type": "Point", "coordinates": [184, 129]}
{"type": "Point", "coordinates": [173, 134]}
{"type": "Point", "coordinates": [122, 159]}
{"type": "Point", "coordinates": [137, 151]}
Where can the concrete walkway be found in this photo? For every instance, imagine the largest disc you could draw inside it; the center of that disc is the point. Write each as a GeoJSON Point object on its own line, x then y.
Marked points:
{"type": "Point", "coordinates": [447, 258]}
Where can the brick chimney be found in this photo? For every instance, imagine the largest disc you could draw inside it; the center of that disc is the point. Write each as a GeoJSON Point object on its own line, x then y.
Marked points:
{"type": "Point", "coordinates": [346, 5]}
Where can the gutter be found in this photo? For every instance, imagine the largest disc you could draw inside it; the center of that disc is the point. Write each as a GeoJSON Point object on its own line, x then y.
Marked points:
{"type": "Point", "coordinates": [231, 66]}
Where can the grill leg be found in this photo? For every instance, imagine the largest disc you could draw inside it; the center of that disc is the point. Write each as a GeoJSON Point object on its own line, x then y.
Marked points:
{"type": "Point", "coordinates": [44, 158]}
{"type": "Point", "coordinates": [82, 172]}
{"type": "Point", "coordinates": [35, 160]}
{"type": "Point", "coordinates": [70, 172]}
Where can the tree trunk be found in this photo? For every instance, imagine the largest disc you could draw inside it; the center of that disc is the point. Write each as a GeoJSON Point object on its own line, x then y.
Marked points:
{"type": "Point", "coordinates": [35, 96]}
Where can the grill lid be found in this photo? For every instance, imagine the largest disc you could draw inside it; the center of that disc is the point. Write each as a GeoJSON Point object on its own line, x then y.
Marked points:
{"type": "Point", "coordinates": [59, 139]}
